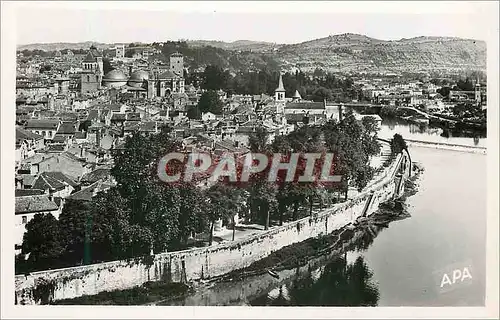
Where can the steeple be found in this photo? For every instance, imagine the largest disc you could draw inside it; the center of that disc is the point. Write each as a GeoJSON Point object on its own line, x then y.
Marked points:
{"type": "Point", "coordinates": [279, 93]}
{"type": "Point", "coordinates": [296, 96]}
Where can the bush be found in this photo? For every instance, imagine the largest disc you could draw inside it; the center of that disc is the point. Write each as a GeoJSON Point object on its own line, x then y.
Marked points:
{"type": "Point", "coordinates": [398, 144]}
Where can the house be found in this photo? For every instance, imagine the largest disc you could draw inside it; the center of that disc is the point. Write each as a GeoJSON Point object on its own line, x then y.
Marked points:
{"type": "Point", "coordinates": [207, 116]}
{"type": "Point", "coordinates": [55, 183]}
{"type": "Point", "coordinates": [99, 174]}
{"type": "Point", "coordinates": [86, 194]}
{"type": "Point", "coordinates": [83, 153]}
{"type": "Point", "coordinates": [27, 143]}
{"type": "Point", "coordinates": [80, 137]}
{"type": "Point", "coordinates": [26, 207]}
{"type": "Point", "coordinates": [305, 112]}
{"type": "Point", "coordinates": [47, 128]}
{"type": "Point", "coordinates": [64, 162]}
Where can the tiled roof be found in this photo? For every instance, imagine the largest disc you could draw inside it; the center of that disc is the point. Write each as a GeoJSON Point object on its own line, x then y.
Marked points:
{"type": "Point", "coordinates": [89, 192]}
{"type": "Point", "coordinates": [305, 105]}
{"type": "Point", "coordinates": [97, 174]}
{"type": "Point", "coordinates": [80, 135]}
{"type": "Point", "coordinates": [168, 75]}
{"type": "Point", "coordinates": [53, 181]}
{"type": "Point", "coordinates": [294, 117]}
{"type": "Point", "coordinates": [118, 117]}
{"type": "Point", "coordinates": [33, 204]}
{"type": "Point", "coordinates": [67, 128]}
{"type": "Point", "coordinates": [45, 182]}
{"type": "Point", "coordinates": [28, 179]}
{"type": "Point", "coordinates": [133, 116]}
{"type": "Point", "coordinates": [47, 124]}
{"type": "Point", "coordinates": [28, 192]}
{"type": "Point", "coordinates": [67, 116]}
{"type": "Point", "coordinates": [22, 134]}
{"type": "Point", "coordinates": [149, 126]}
{"type": "Point", "coordinates": [93, 115]}
{"type": "Point", "coordinates": [61, 177]}
{"type": "Point", "coordinates": [59, 138]}
{"type": "Point", "coordinates": [56, 147]}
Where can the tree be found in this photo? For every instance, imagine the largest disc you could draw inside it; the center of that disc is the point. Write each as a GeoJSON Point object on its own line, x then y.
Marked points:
{"type": "Point", "coordinates": [73, 221]}
{"type": "Point", "coordinates": [153, 204]}
{"type": "Point", "coordinates": [444, 91]}
{"type": "Point", "coordinates": [220, 202]}
{"type": "Point", "coordinates": [106, 65]}
{"type": "Point", "coordinates": [214, 78]}
{"type": "Point", "coordinates": [192, 218]}
{"type": "Point", "coordinates": [43, 241]}
{"type": "Point", "coordinates": [210, 102]}
{"type": "Point", "coordinates": [466, 85]}
{"type": "Point", "coordinates": [194, 113]}
{"type": "Point", "coordinates": [398, 144]}
{"type": "Point", "coordinates": [258, 139]}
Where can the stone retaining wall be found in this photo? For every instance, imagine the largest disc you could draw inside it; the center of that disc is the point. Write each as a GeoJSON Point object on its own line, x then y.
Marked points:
{"type": "Point", "coordinates": [446, 146]}
{"type": "Point", "coordinates": [202, 263]}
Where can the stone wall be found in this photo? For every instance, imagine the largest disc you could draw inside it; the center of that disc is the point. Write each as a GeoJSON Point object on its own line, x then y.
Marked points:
{"type": "Point", "coordinates": [202, 263]}
{"type": "Point", "coordinates": [446, 146]}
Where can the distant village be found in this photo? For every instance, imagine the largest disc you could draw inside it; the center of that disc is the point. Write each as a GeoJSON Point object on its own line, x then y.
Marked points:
{"type": "Point", "coordinates": [72, 117]}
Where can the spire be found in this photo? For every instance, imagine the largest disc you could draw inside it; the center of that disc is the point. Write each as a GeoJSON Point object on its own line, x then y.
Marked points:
{"type": "Point", "coordinates": [297, 95]}
{"type": "Point", "coordinates": [280, 85]}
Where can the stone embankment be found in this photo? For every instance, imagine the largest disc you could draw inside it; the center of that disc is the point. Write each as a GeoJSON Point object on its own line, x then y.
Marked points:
{"type": "Point", "coordinates": [446, 146]}
{"type": "Point", "coordinates": [213, 261]}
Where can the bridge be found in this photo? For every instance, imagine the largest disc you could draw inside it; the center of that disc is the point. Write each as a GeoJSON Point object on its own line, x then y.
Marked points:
{"type": "Point", "coordinates": [428, 116]}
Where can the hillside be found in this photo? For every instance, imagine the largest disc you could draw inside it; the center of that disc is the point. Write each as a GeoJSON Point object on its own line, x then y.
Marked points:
{"type": "Point", "coordinates": [350, 52]}
{"type": "Point", "coordinates": [64, 45]}
{"type": "Point", "coordinates": [240, 45]}
{"type": "Point", "coordinates": [345, 53]}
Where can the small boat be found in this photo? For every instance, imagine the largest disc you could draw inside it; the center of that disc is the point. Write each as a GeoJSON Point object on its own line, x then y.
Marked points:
{"type": "Point", "coordinates": [273, 274]}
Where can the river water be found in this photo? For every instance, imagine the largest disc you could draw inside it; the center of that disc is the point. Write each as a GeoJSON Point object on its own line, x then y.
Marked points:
{"type": "Point", "coordinates": [404, 264]}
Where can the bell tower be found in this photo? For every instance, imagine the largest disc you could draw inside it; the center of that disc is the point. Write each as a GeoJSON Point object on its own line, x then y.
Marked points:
{"type": "Point", "coordinates": [279, 93]}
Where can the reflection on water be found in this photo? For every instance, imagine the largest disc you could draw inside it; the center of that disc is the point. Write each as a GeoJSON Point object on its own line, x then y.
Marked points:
{"type": "Point", "coordinates": [344, 280]}
{"type": "Point", "coordinates": [339, 283]}
{"type": "Point", "coordinates": [431, 133]}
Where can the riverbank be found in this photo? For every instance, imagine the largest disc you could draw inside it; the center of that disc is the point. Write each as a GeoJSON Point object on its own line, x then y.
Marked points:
{"type": "Point", "coordinates": [243, 287]}
{"type": "Point", "coordinates": [147, 293]}
{"type": "Point", "coordinates": [445, 146]}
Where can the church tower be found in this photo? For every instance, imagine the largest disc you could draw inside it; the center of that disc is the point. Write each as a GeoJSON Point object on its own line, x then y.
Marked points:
{"type": "Point", "coordinates": [279, 93]}
{"type": "Point", "coordinates": [93, 71]}
{"type": "Point", "coordinates": [177, 64]}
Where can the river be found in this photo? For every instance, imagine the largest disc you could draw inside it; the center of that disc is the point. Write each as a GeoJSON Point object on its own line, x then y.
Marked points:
{"type": "Point", "coordinates": [404, 264]}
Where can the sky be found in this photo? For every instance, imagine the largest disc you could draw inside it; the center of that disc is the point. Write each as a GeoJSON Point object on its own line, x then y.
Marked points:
{"type": "Point", "coordinates": [279, 22]}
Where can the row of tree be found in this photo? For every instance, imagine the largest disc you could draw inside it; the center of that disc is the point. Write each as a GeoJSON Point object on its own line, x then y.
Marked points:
{"type": "Point", "coordinates": [143, 215]}
{"type": "Point", "coordinates": [317, 88]}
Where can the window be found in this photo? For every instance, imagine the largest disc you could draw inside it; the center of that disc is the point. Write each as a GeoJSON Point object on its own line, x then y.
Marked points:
{"type": "Point", "coordinates": [88, 78]}
{"type": "Point", "coordinates": [25, 219]}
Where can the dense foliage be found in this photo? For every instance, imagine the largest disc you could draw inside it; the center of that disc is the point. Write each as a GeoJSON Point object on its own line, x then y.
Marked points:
{"type": "Point", "coordinates": [143, 215]}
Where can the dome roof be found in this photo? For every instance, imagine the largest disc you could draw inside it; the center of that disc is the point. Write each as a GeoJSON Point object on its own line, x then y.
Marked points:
{"type": "Point", "coordinates": [115, 75]}
{"type": "Point", "coordinates": [139, 75]}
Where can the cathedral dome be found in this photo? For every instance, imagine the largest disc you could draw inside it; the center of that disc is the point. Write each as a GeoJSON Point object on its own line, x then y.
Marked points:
{"type": "Point", "coordinates": [114, 79]}
{"type": "Point", "coordinates": [137, 78]}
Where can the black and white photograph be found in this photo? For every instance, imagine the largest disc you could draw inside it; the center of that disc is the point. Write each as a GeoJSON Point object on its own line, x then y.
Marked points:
{"type": "Point", "coordinates": [259, 155]}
